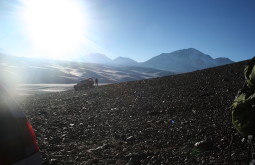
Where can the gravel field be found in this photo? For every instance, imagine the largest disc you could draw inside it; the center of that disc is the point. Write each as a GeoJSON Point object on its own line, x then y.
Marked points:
{"type": "Point", "coordinates": [180, 119]}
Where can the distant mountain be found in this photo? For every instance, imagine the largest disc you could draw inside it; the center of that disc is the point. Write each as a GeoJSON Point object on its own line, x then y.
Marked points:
{"type": "Point", "coordinates": [98, 58]}
{"type": "Point", "coordinates": [34, 71]}
{"type": "Point", "coordinates": [95, 58]}
{"type": "Point", "coordinates": [185, 60]}
{"type": "Point", "coordinates": [223, 60]}
{"type": "Point", "coordinates": [125, 61]}
{"type": "Point", "coordinates": [30, 70]}
{"type": "Point", "coordinates": [180, 61]}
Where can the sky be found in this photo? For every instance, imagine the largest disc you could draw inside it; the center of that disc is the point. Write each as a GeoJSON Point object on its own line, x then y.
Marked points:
{"type": "Point", "coordinates": [138, 29]}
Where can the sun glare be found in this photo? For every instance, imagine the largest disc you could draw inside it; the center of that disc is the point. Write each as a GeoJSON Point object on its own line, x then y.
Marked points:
{"type": "Point", "coordinates": [54, 25]}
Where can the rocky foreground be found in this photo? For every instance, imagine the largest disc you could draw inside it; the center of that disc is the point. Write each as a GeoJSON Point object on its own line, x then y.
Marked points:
{"type": "Point", "coordinates": [181, 119]}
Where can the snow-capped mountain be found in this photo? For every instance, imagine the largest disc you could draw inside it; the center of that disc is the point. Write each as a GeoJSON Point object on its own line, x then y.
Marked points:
{"type": "Point", "coordinates": [185, 60]}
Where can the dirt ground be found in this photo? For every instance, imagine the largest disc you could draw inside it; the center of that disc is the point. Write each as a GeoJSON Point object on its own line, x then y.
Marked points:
{"type": "Point", "coordinates": [180, 119]}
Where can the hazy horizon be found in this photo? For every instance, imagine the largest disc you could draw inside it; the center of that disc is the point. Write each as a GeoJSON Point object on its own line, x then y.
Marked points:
{"type": "Point", "coordinates": [90, 54]}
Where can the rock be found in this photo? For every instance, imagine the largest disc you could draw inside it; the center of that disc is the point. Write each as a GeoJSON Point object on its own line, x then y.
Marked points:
{"type": "Point", "coordinates": [130, 138]}
{"type": "Point", "coordinates": [53, 161]}
{"type": "Point", "coordinates": [204, 145]}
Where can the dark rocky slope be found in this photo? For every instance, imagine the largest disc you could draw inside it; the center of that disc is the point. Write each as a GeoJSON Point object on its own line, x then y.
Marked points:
{"type": "Point", "coordinates": [153, 121]}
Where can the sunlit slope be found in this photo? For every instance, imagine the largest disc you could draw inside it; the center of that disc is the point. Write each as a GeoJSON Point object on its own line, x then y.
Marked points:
{"type": "Point", "coordinates": [156, 121]}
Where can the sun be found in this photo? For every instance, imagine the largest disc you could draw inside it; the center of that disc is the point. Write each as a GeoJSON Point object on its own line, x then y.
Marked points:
{"type": "Point", "coordinates": [54, 25]}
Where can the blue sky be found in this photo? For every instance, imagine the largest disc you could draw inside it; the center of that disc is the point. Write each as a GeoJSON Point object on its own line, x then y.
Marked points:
{"type": "Point", "coordinates": [141, 29]}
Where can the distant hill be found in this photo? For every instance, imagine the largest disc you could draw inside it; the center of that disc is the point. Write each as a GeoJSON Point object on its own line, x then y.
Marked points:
{"type": "Point", "coordinates": [125, 61]}
{"type": "Point", "coordinates": [180, 61]}
{"type": "Point", "coordinates": [29, 70]}
{"type": "Point", "coordinates": [185, 60]}
{"type": "Point", "coordinates": [223, 61]}
{"type": "Point", "coordinates": [95, 58]}
{"type": "Point", "coordinates": [98, 58]}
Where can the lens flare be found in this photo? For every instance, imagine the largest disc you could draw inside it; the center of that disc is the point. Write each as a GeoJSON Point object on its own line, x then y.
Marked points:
{"type": "Point", "coordinates": [54, 25]}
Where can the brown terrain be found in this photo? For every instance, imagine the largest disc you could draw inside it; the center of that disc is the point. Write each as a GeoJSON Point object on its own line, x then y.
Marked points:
{"type": "Point", "coordinates": [180, 119]}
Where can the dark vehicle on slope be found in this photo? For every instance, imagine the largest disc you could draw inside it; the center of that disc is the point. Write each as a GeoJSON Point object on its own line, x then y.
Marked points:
{"type": "Point", "coordinates": [17, 138]}
{"type": "Point", "coordinates": [84, 84]}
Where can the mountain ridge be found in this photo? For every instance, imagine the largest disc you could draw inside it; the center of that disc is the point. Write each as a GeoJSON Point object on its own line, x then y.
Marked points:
{"type": "Point", "coordinates": [179, 61]}
{"type": "Point", "coordinates": [31, 71]}
{"type": "Point", "coordinates": [185, 60]}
